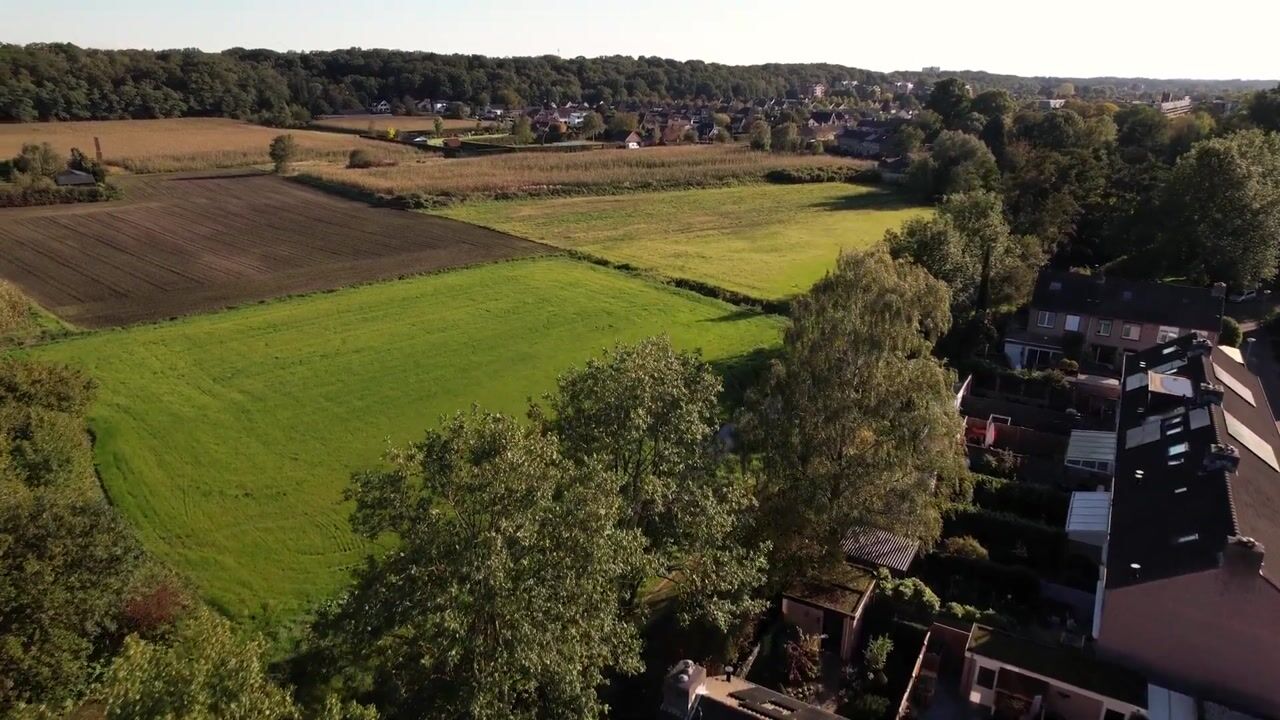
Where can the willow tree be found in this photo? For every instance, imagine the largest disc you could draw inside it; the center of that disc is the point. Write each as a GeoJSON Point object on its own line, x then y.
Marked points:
{"type": "Point", "coordinates": [856, 420]}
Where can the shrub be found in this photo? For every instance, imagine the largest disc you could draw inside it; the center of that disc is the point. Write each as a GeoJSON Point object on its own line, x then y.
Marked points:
{"type": "Point", "coordinates": [971, 614]}
{"type": "Point", "coordinates": [982, 582]}
{"type": "Point", "coordinates": [1033, 501]}
{"type": "Point", "coordinates": [866, 707]}
{"type": "Point", "coordinates": [45, 193]}
{"type": "Point", "coordinates": [802, 658]}
{"type": "Point", "coordinates": [964, 546]}
{"type": "Point", "coordinates": [361, 158]}
{"type": "Point", "coordinates": [1009, 538]}
{"type": "Point", "coordinates": [1231, 334]}
{"type": "Point", "coordinates": [283, 150]}
{"type": "Point", "coordinates": [875, 657]}
{"type": "Point", "coordinates": [1068, 366]}
{"type": "Point", "coordinates": [1000, 463]}
{"type": "Point", "coordinates": [910, 597]}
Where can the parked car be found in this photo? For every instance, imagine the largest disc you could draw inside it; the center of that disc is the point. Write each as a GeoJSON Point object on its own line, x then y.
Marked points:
{"type": "Point", "coordinates": [1240, 296]}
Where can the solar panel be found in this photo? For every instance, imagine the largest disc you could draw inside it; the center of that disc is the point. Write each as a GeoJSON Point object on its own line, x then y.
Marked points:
{"type": "Point", "coordinates": [1141, 435]}
{"type": "Point", "coordinates": [1256, 445]}
{"type": "Point", "coordinates": [1135, 380]}
{"type": "Point", "coordinates": [1198, 418]}
{"type": "Point", "coordinates": [1234, 384]}
{"type": "Point", "coordinates": [1232, 353]}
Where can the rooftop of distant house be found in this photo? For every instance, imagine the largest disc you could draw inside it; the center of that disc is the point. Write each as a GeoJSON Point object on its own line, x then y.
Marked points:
{"type": "Point", "coordinates": [1060, 662]}
{"type": "Point", "coordinates": [1189, 414]}
{"type": "Point", "coordinates": [1182, 306]}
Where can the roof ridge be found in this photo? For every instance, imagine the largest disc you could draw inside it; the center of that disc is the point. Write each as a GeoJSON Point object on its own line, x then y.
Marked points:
{"type": "Point", "coordinates": [1218, 423]}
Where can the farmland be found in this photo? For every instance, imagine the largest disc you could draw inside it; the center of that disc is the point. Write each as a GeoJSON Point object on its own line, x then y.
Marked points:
{"type": "Point", "coordinates": [550, 173]}
{"type": "Point", "coordinates": [146, 146]}
{"type": "Point", "coordinates": [382, 123]}
{"type": "Point", "coordinates": [226, 439]}
{"type": "Point", "coordinates": [766, 241]}
{"type": "Point", "coordinates": [184, 244]}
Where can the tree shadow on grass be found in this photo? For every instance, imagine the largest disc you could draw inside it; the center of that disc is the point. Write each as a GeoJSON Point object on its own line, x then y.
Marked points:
{"type": "Point", "coordinates": [874, 200]}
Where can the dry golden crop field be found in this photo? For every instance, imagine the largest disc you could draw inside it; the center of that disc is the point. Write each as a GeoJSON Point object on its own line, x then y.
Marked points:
{"type": "Point", "coordinates": [660, 167]}
{"type": "Point", "coordinates": [382, 123]}
{"type": "Point", "coordinates": [184, 143]}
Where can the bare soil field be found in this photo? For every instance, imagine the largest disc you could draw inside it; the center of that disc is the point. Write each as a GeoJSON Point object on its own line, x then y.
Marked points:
{"type": "Point", "coordinates": [185, 244]}
{"type": "Point", "coordinates": [147, 146]}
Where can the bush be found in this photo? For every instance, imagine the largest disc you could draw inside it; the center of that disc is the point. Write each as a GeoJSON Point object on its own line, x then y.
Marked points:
{"type": "Point", "coordinates": [1009, 538]}
{"type": "Point", "coordinates": [46, 194]}
{"type": "Point", "coordinates": [1000, 463]}
{"type": "Point", "coordinates": [875, 657]}
{"type": "Point", "coordinates": [964, 546]}
{"type": "Point", "coordinates": [1033, 501]}
{"type": "Point", "coordinates": [971, 614]}
{"type": "Point", "coordinates": [1231, 334]}
{"type": "Point", "coordinates": [361, 159]}
{"type": "Point", "coordinates": [283, 150]}
{"type": "Point", "coordinates": [866, 707]}
{"type": "Point", "coordinates": [982, 582]}
{"type": "Point", "coordinates": [910, 597]}
{"type": "Point", "coordinates": [801, 175]}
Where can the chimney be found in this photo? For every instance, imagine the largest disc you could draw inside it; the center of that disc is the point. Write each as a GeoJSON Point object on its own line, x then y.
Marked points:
{"type": "Point", "coordinates": [1209, 394]}
{"type": "Point", "coordinates": [1219, 290]}
{"type": "Point", "coordinates": [681, 688]}
{"type": "Point", "coordinates": [1221, 457]}
{"type": "Point", "coordinates": [1243, 556]}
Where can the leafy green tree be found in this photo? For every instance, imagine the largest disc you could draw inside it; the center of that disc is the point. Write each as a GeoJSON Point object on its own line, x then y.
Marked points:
{"type": "Point", "coordinates": [499, 595]}
{"type": "Point", "coordinates": [283, 151]}
{"type": "Point", "coordinates": [857, 418]}
{"type": "Point", "coordinates": [967, 245]}
{"type": "Point", "coordinates": [1223, 204]}
{"type": "Point", "coordinates": [1264, 109]}
{"type": "Point", "coordinates": [958, 163]}
{"type": "Point", "coordinates": [648, 415]}
{"type": "Point", "coordinates": [929, 123]}
{"type": "Point", "coordinates": [994, 103]}
{"type": "Point", "coordinates": [785, 138]}
{"type": "Point", "coordinates": [907, 140]}
{"type": "Point", "coordinates": [950, 99]}
{"type": "Point", "coordinates": [721, 120]}
{"type": "Point", "coordinates": [437, 125]}
{"type": "Point", "coordinates": [592, 125]}
{"type": "Point", "coordinates": [38, 160]}
{"type": "Point", "coordinates": [1231, 334]}
{"type": "Point", "coordinates": [622, 124]}
{"type": "Point", "coordinates": [522, 130]}
{"type": "Point", "coordinates": [761, 137]}
{"type": "Point", "coordinates": [1141, 129]}
{"type": "Point", "coordinates": [1187, 130]}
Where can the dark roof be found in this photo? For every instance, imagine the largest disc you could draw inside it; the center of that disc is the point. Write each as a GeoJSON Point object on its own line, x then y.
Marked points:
{"type": "Point", "coordinates": [1173, 519]}
{"type": "Point", "coordinates": [878, 547]}
{"type": "Point", "coordinates": [1062, 663]}
{"type": "Point", "coordinates": [74, 177]}
{"type": "Point", "coordinates": [1180, 306]}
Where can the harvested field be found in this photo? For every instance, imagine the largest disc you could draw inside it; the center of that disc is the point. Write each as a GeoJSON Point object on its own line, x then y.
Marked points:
{"type": "Point", "coordinates": [147, 146]}
{"type": "Point", "coordinates": [188, 244]}
{"type": "Point", "coordinates": [226, 439]}
{"type": "Point", "coordinates": [767, 241]}
{"type": "Point", "coordinates": [549, 173]}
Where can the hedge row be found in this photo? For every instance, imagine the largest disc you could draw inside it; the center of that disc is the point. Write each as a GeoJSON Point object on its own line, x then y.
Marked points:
{"type": "Point", "coordinates": [981, 583]}
{"type": "Point", "coordinates": [799, 175]}
{"type": "Point", "coordinates": [1033, 501]}
{"type": "Point", "coordinates": [29, 197]}
{"type": "Point", "coordinates": [1008, 537]}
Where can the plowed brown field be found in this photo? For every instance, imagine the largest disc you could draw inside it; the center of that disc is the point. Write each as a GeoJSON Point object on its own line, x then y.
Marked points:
{"type": "Point", "coordinates": [185, 244]}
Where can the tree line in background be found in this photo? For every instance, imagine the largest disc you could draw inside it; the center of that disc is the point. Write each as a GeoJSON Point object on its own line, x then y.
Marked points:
{"type": "Point", "coordinates": [65, 82]}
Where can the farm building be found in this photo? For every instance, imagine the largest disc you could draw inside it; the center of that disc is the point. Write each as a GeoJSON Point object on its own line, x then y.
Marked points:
{"type": "Point", "coordinates": [74, 178]}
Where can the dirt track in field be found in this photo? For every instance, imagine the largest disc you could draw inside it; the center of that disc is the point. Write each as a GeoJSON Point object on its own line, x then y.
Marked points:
{"type": "Point", "coordinates": [185, 244]}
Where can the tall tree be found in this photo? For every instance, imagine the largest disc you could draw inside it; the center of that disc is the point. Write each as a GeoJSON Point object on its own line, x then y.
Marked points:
{"type": "Point", "coordinates": [958, 163]}
{"type": "Point", "coordinates": [499, 597]}
{"type": "Point", "coordinates": [1223, 203]}
{"type": "Point", "coordinates": [994, 103]}
{"type": "Point", "coordinates": [649, 415]}
{"type": "Point", "coordinates": [1264, 109]}
{"type": "Point", "coordinates": [592, 125]}
{"type": "Point", "coordinates": [857, 418]}
{"type": "Point", "coordinates": [949, 98]}
{"type": "Point", "coordinates": [283, 151]}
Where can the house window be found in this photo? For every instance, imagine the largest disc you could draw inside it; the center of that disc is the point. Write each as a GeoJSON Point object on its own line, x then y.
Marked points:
{"type": "Point", "coordinates": [1104, 328]}
{"type": "Point", "coordinates": [986, 677]}
{"type": "Point", "coordinates": [1073, 323]}
{"type": "Point", "coordinates": [1166, 334]}
{"type": "Point", "coordinates": [1040, 357]}
{"type": "Point", "coordinates": [1131, 331]}
{"type": "Point", "coordinates": [1046, 319]}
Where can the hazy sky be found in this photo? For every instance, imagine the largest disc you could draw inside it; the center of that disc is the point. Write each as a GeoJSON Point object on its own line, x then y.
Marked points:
{"type": "Point", "coordinates": [1172, 38]}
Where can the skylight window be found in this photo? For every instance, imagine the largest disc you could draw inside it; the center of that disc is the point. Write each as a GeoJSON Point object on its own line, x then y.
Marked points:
{"type": "Point", "coordinates": [1178, 449]}
{"type": "Point", "coordinates": [1179, 491]}
{"type": "Point", "coordinates": [1188, 538]}
{"type": "Point", "coordinates": [1236, 386]}
{"type": "Point", "coordinates": [1250, 439]}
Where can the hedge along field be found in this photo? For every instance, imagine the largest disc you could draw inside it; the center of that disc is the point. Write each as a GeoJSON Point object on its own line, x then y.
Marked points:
{"type": "Point", "coordinates": [561, 173]}
{"type": "Point", "coordinates": [766, 241]}
{"type": "Point", "coordinates": [186, 143]}
{"type": "Point", "coordinates": [226, 439]}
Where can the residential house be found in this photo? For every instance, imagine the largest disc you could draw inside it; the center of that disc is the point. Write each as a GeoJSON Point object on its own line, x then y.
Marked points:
{"type": "Point", "coordinates": [1184, 594]}
{"type": "Point", "coordinates": [863, 141]}
{"type": "Point", "coordinates": [74, 178]}
{"type": "Point", "coordinates": [1109, 317]}
{"type": "Point", "coordinates": [832, 608]}
{"type": "Point", "coordinates": [1015, 677]}
{"type": "Point", "coordinates": [382, 107]}
{"type": "Point", "coordinates": [632, 141]}
{"type": "Point", "coordinates": [1050, 103]}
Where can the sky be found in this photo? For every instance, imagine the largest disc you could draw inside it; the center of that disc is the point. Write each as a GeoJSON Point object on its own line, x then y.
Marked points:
{"type": "Point", "coordinates": [1222, 39]}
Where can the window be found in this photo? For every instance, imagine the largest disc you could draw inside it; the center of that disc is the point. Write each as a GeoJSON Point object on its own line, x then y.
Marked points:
{"type": "Point", "coordinates": [1046, 319]}
{"type": "Point", "coordinates": [986, 677]}
{"type": "Point", "coordinates": [1073, 323]}
{"type": "Point", "coordinates": [1104, 328]}
{"type": "Point", "coordinates": [1166, 334]}
{"type": "Point", "coordinates": [1131, 331]}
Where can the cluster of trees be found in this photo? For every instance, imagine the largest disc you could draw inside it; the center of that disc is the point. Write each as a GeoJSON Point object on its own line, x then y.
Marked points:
{"type": "Point", "coordinates": [1099, 183]}
{"type": "Point", "coordinates": [64, 82]}
{"type": "Point", "coordinates": [37, 164]}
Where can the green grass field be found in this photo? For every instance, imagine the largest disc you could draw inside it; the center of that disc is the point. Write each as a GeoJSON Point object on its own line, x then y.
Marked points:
{"type": "Point", "coordinates": [226, 439]}
{"type": "Point", "coordinates": [767, 241]}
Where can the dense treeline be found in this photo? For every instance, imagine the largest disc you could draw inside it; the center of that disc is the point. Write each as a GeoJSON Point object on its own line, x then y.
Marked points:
{"type": "Point", "coordinates": [64, 82]}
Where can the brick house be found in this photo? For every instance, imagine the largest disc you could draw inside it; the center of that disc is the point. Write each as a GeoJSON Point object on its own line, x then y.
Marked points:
{"type": "Point", "coordinates": [1111, 316]}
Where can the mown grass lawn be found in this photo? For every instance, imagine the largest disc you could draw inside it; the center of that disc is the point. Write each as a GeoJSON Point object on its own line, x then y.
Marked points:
{"type": "Point", "coordinates": [226, 439]}
{"type": "Point", "coordinates": [767, 241]}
